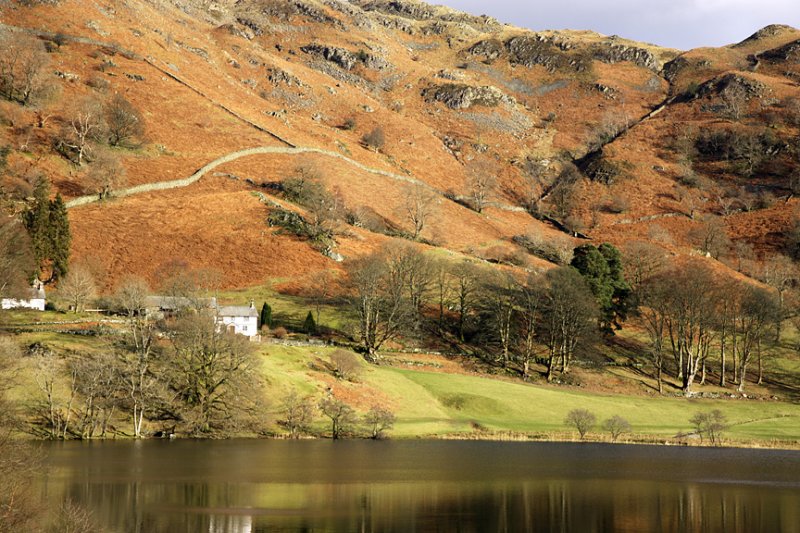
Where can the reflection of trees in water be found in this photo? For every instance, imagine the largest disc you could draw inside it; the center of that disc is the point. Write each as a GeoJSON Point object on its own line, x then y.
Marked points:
{"type": "Point", "coordinates": [573, 505]}
{"type": "Point", "coordinates": [235, 486]}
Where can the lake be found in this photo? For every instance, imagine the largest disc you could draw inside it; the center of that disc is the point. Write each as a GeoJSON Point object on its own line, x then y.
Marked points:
{"type": "Point", "coordinates": [265, 485]}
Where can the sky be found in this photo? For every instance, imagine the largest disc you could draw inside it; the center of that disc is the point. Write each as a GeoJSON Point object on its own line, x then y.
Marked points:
{"type": "Point", "coordinates": [682, 24]}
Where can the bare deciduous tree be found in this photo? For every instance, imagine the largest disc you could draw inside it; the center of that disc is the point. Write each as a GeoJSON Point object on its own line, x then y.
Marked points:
{"type": "Point", "coordinates": [710, 424]}
{"type": "Point", "coordinates": [581, 419]}
{"type": "Point", "coordinates": [375, 140]}
{"type": "Point", "coordinates": [298, 413]}
{"type": "Point", "coordinates": [529, 303]}
{"type": "Point", "coordinates": [23, 68]}
{"type": "Point", "coordinates": [78, 287]}
{"type": "Point", "coordinates": [758, 311]}
{"type": "Point", "coordinates": [340, 414]}
{"type": "Point", "coordinates": [711, 236]}
{"type": "Point", "coordinates": [419, 206]}
{"type": "Point", "coordinates": [466, 282]}
{"type": "Point", "coordinates": [137, 380]}
{"type": "Point", "coordinates": [481, 182]}
{"type": "Point", "coordinates": [779, 272]}
{"type": "Point", "coordinates": [321, 289]}
{"type": "Point", "coordinates": [734, 100]}
{"type": "Point", "coordinates": [379, 298]}
{"type": "Point", "coordinates": [616, 426]}
{"type": "Point", "coordinates": [106, 174]}
{"type": "Point", "coordinates": [569, 312]}
{"type": "Point", "coordinates": [379, 419]}
{"type": "Point", "coordinates": [82, 126]}
{"type": "Point", "coordinates": [97, 386]}
{"type": "Point", "coordinates": [124, 121]}
{"type": "Point", "coordinates": [212, 376]}
{"type": "Point", "coordinates": [499, 298]}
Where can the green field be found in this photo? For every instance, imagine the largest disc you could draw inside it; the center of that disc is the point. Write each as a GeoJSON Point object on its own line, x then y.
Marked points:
{"type": "Point", "coordinates": [437, 404]}
{"type": "Point", "coordinates": [434, 404]}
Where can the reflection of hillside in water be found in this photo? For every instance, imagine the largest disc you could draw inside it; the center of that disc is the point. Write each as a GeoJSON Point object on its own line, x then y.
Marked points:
{"type": "Point", "coordinates": [425, 486]}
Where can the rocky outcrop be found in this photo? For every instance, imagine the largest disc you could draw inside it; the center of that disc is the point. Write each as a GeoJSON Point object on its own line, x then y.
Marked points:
{"type": "Point", "coordinates": [766, 32]}
{"type": "Point", "coordinates": [489, 50]}
{"type": "Point", "coordinates": [788, 52]}
{"type": "Point", "coordinates": [416, 11]}
{"type": "Point", "coordinates": [423, 12]}
{"type": "Point", "coordinates": [556, 53]}
{"type": "Point", "coordinates": [345, 58]}
{"type": "Point", "coordinates": [278, 77]}
{"type": "Point", "coordinates": [460, 96]}
{"type": "Point", "coordinates": [533, 50]}
{"type": "Point", "coordinates": [617, 53]}
{"type": "Point", "coordinates": [673, 68]}
{"type": "Point", "coordinates": [731, 83]}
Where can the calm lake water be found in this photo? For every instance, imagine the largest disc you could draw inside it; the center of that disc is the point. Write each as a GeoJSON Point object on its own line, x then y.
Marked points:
{"type": "Point", "coordinates": [262, 485]}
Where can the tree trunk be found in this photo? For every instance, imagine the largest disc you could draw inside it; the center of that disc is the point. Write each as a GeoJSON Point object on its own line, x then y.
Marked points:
{"type": "Point", "coordinates": [703, 374]}
{"type": "Point", "coordinates": [551, 366]}
{"type": "Point", "coordinates": [722, 360]}
{"type": "Point", "coordinates": [742, 375]}
{"type": "Point", "coordinates": [659, 377]}
{"type": "Point", "coordinates": [760, 364]}
{"type": "Point", "coordinates": [371, 356]}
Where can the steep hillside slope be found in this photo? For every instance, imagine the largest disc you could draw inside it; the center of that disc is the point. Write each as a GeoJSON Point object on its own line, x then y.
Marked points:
{"type": "Point", "coordinates": [455, 97]}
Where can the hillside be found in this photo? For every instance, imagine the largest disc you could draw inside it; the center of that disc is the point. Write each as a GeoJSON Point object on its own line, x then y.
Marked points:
{"type": "Point", "coordinates": [521, 144]}
{"type": "Point", "coordinates": [455, 95]}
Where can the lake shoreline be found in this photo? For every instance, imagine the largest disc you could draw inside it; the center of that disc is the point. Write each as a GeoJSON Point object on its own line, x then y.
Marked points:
{"type": "Point", "coordinates": [471, 437]}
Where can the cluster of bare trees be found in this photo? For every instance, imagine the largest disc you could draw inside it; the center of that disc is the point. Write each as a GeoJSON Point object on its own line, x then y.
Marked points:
{"type": "Point", "coordinates": [90, 128]}
{"type": "Point", "coordinates": [691, 314]}
{"type": "Point", "coordinates": [24, 76]}
{"type": "Point", "coordinates": [184, 376]}
{"type": "Point", "coordinates": [399, 290]}
{"type": "Point", "coordinates": [299, 413]}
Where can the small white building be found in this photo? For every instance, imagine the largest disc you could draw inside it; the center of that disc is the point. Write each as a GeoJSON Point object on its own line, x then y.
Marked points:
{"type": "Point", "coordinates": [239, 319]}
{"type": "Point", "coordinates": [35, 299]}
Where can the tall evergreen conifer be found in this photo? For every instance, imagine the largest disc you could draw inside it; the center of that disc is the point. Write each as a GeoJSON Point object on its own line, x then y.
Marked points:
{"type": "Point", "coordinates": [48, 227]}
{"type": "Point", "coordinates": [60, 236]}
{"type": "Point", "coordinates": [265, 319]}
{"type": "Point", "coordinates": [310, 325]}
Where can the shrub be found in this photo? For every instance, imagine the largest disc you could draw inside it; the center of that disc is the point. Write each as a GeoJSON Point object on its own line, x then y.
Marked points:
{"type": "Point", "coordinates": [710, 424]}
{"type": "Point", "coordinates": [375, 140]}
{"type": "Point", "coordinates": [618, 204]}
{"type": "Point", "coordinates": [581, 419]}
{"type": "Point", "coordinates": [99, 83]}
{"type": "Point", "coordinates": [280, 332]}
{"type": "Point", "coordinates": [379, 419]}
{"type": "Point", "coordinates": [346, 365]}
{"type": "Point", "coordinates": [616, 426]}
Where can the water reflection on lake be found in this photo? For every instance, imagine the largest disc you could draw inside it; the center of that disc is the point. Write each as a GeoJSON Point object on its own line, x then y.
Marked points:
{"type": "Point", "coordinates": [248, 486]}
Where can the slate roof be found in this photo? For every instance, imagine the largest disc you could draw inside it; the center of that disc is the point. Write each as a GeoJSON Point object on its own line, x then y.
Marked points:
{"type": "Point", "coordinates": [237, 310]}
{"type": "Point", "coordinates": [173, 303]}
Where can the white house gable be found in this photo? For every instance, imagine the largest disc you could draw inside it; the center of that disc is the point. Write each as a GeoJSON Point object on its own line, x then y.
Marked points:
{"type": "Point", "coordinates": [239, 319]}
{"type": "Point", "coordinates": [35, 299]}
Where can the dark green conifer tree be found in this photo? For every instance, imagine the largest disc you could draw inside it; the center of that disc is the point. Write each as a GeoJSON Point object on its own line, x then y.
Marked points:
{"type": "Point", "coordinates": [265, 318]}
{"type": "Point", "coordinates": [601, 267]}
{"type": "Point", "coordinates": [310, 325]}
{"type": "Point", "coordinates": [37, 222]}
{"type": "Point", "coordinates": [60, 236]}
{"type": "Point", "coordinates": [48, 227]}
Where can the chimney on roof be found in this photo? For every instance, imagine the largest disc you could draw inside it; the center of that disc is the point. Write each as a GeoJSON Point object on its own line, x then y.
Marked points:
{"type": "Point", "coordinates": [252, 304]}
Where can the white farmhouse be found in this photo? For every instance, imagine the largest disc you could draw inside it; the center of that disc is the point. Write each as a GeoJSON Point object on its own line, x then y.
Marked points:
{"type": "Point", "coordinates": [239, 319]}
{"type": "Point", "coordinates": [35, 299]}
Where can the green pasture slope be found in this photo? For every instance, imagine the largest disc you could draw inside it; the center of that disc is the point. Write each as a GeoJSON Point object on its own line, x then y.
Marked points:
{"type": "Point", "coordinates": [437, 404]}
